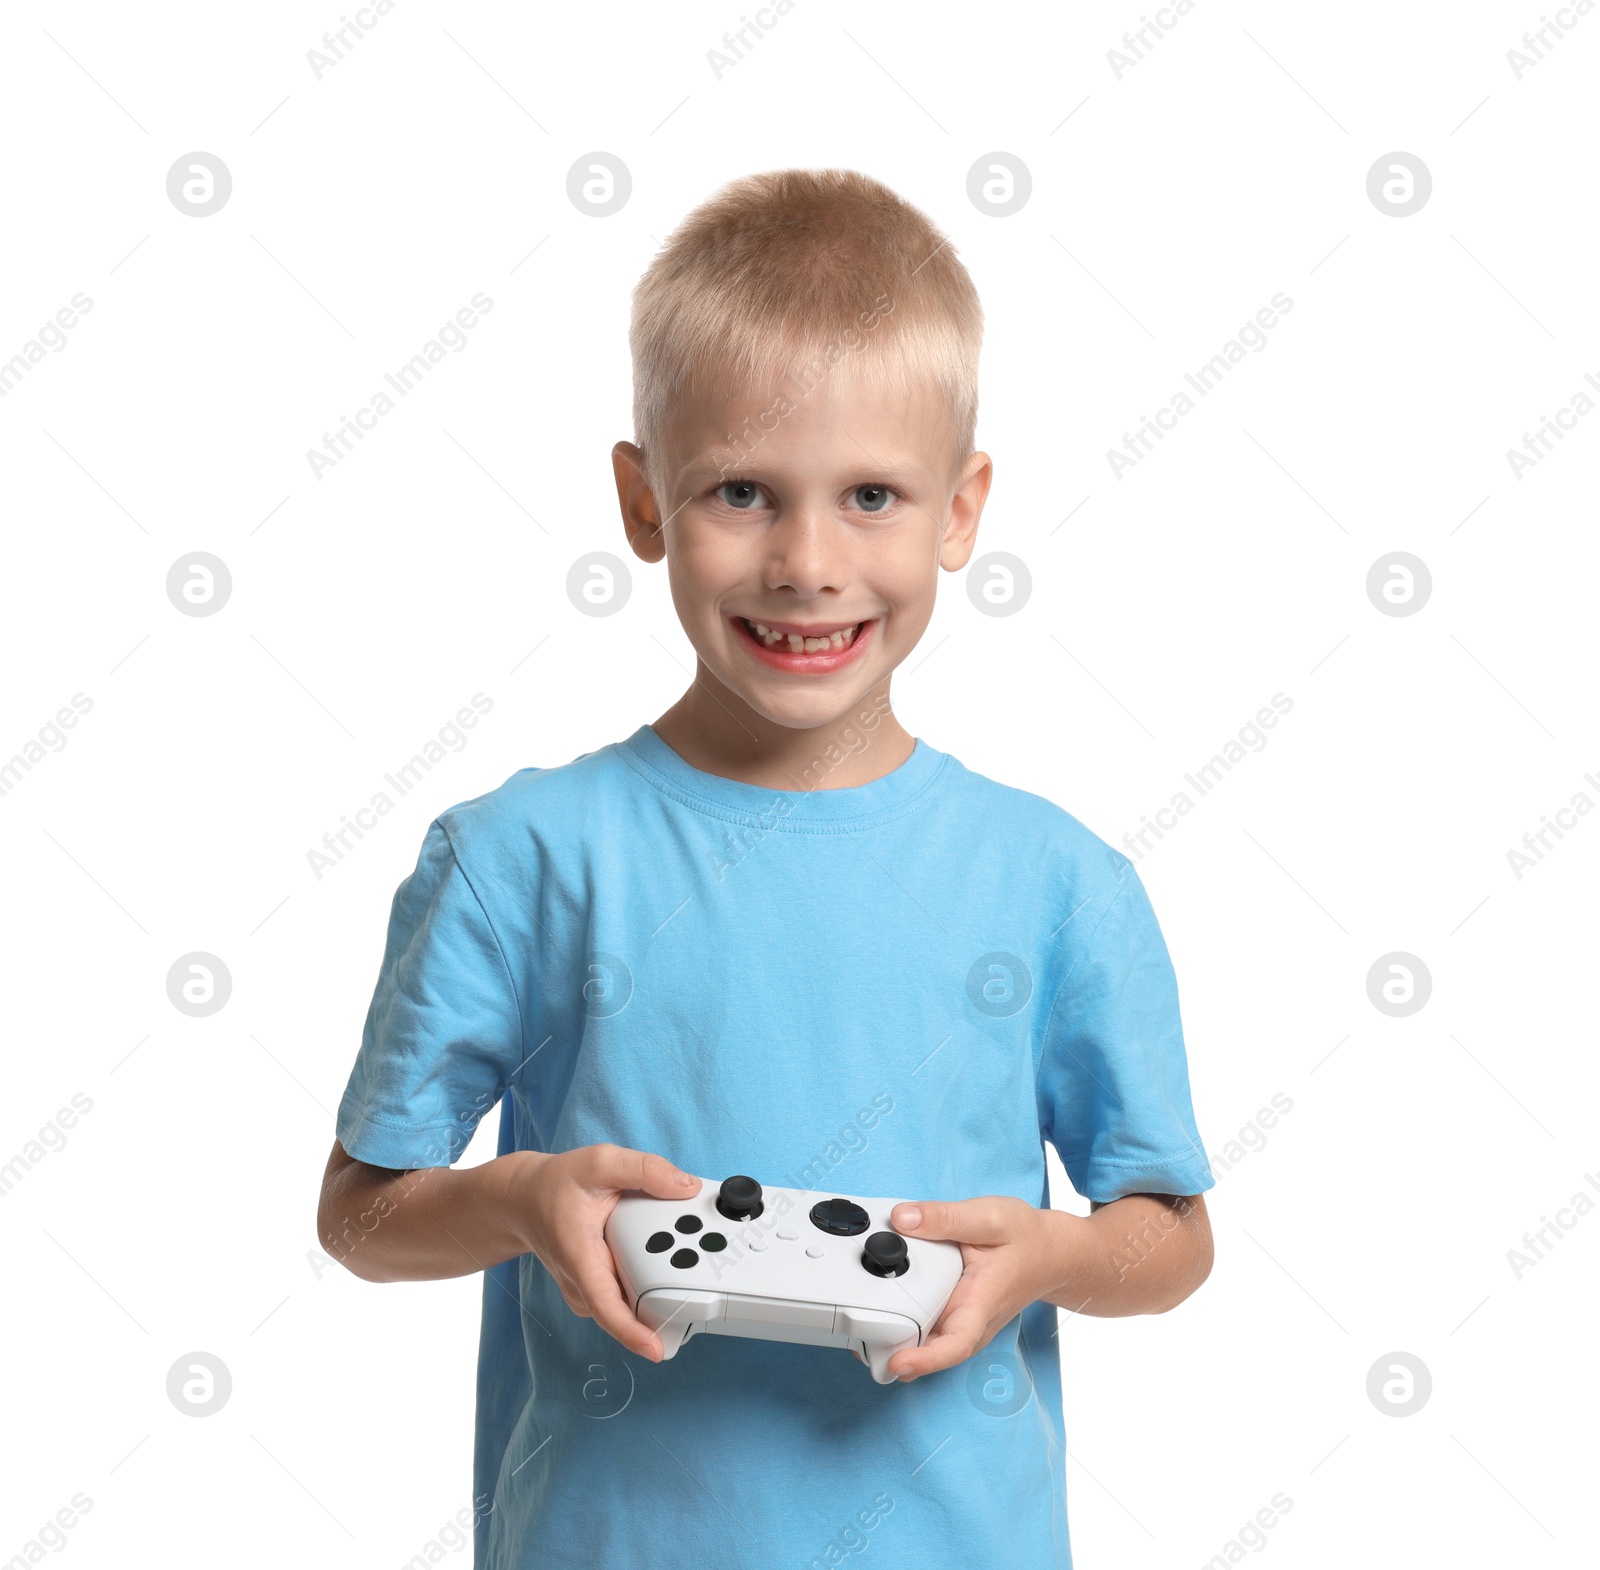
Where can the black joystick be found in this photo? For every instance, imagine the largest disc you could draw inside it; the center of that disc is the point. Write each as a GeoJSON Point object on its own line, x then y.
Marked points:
{"type": "Point", "coordinates": [885, 1254]}
{"type": "Point", "coordinates": [739, 1198]}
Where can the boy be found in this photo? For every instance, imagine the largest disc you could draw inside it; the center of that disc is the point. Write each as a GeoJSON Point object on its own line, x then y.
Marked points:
{"type": "Point", "coordinates": [773, 933]}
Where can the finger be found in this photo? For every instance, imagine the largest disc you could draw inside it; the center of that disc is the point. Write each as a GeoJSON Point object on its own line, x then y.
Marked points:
{"type": "Point", "coordinates": [609, 1309]}
{"type": "Point", "coordinates": [617, 1167]}
{"type": "Point", "coordinates": [962, 1333]}
{"type": "Point", "coordinates": [960, 1221]}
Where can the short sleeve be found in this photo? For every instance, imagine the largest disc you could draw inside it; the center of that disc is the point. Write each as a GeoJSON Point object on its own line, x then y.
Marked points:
{"type": "Point", "coordinates": [443, 1035]}
{"type": "Point", "coordinates": [1113, 1085]}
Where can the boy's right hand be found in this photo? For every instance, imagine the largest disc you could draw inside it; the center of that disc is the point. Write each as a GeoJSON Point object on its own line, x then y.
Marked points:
{"type": "Point", "coordinates": [561, 1204]}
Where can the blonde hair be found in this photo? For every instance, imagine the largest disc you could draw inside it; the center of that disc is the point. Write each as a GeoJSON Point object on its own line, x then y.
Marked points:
{"type": "Point", "coordinates": [777, 278]}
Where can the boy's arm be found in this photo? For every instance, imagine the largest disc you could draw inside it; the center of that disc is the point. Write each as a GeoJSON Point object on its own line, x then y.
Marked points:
{"type": "Point", "coordinates": [433, 1222]}
{"type": "Point", "coordinates": [1141, 1254]}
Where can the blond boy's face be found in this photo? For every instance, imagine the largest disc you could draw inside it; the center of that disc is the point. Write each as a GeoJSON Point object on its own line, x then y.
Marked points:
{"type": "Point", "coordinates": [827, 531]}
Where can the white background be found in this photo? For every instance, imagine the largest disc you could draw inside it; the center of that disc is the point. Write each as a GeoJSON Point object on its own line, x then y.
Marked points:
{"type": "Point", "coordinates": [1168, 606]}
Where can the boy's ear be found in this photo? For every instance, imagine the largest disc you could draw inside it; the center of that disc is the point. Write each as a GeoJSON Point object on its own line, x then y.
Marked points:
{"type": "Point", "coordinates": [641, 518]}
{"type": "Point", "coordinates": [966, 507]}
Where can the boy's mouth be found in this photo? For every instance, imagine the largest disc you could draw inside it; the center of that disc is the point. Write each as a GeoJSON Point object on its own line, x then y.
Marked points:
{"type": "Point", "coordinates": [792, 646]}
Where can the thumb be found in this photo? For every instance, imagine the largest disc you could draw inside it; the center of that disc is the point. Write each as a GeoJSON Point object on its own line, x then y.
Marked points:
{"type": "Point", "coordinates": [952, 1221]}
{"type": "Point", "coordinates": [657, 1177]}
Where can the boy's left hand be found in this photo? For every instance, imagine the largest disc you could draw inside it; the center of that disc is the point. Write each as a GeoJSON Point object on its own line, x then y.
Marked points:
{"type": "Point", "coordinates": [1011, 1251]}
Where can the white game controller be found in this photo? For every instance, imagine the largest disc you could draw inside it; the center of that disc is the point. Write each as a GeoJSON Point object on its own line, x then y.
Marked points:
{"type": "Point", "coordinates": [780, 1264]}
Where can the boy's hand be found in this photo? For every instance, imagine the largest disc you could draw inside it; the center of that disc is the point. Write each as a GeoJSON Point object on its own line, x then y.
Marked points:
{"type": "Point", "coordinates": [562, 1203]}
{"type": "Point", "coordinates": [1140, 1254]}
{"type": "Point", "coordinates": [1011, 1253]}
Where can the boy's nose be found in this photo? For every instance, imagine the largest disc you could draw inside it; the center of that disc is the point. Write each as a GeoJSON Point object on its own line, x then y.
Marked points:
{"type": "Point", "coordinates": [808, 551]}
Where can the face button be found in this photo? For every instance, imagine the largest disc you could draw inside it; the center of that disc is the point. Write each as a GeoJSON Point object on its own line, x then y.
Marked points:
{"type": "Point", "coordinates": [884, 1254]}
{"type": "Point", "coordinates": [839, 1217]}
{"type": "Point", "coordinates": [739, 1198]}
{"type": "Point", "coordinates": [659, 1243]}
{"type": "Point", "coordinates": [685, 1257]}
{"type": "Point", "coordinates": [713, 1242]}
{"type": "Point", "coordinates": [687, 1223]}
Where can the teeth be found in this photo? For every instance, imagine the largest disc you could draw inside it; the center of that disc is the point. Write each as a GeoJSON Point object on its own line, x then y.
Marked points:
{"type": "Point", "coordinates": [798, 642]}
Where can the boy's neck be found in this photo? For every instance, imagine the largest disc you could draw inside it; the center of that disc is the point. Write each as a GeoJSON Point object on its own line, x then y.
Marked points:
{"type": "Point", "coordinates": [729, 738]}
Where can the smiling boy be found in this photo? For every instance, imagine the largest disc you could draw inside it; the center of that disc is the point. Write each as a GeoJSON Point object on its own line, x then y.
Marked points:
{"type": "Point", "coordinates": [768, 916]}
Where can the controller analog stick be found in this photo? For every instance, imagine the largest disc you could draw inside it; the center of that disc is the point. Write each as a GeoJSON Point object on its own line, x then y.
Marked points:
{"type": "Point", "coordinates": [739, 1198]}
{"type": "Point", "coordinates": [885, 1254]}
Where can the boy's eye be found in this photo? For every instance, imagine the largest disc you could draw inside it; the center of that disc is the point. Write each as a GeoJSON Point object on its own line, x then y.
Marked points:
{"type": "Point", "coordinates": [741, 495]}
{"type": "Point", "coordinates": [873, 498]}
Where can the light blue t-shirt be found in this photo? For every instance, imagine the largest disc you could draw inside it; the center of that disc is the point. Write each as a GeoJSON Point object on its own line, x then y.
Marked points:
{"type": "Point", "coordinates": [897, 989]}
